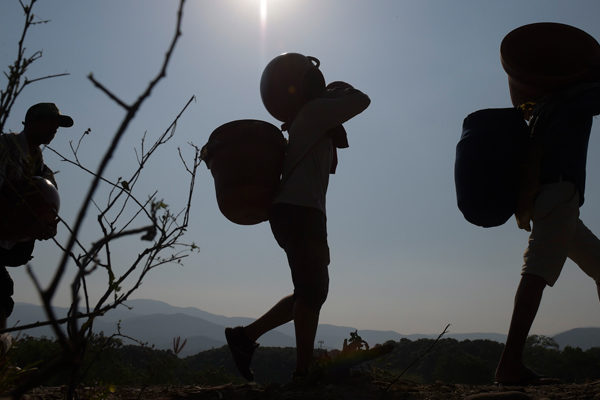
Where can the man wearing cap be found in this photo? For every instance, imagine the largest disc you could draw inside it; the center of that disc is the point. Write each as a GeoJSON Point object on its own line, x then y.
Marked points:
{"type": "Point", "coordinates": [20, 160]}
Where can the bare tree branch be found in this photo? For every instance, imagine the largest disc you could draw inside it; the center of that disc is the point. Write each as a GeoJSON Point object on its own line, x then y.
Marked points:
{"type": "Point", "coordinates": [30, 81]}
{"type": "Point", "coordinates": [162, 229]}
{"type": "Point", "coordinates": [48, 294]}
{"type": "Point", "coordinates": [110, 94]}
{"type": "Point", "coordinates": [16, 79]}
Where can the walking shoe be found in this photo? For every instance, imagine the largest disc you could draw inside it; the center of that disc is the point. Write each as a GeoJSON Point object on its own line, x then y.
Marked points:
{"type": "Point", "coordinates": [242, 349]}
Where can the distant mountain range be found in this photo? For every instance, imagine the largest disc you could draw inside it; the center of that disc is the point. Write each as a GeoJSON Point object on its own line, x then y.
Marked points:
{"type": "Point", "coordinates": [155, 322]}
{"type": "Point", "coordinates": [585, 338]}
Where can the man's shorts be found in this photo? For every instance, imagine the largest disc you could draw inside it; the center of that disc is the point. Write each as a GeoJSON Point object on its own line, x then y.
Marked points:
{"type": "Point", "coordinates": [302, 233]}
{"type": "Point", "coordinates": [558, 233]}
{"type": "Point", "coordinates": [6, 292]}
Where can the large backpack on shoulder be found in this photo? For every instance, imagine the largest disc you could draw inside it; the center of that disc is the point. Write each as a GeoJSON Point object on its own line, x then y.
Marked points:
{"type": "Point", "coordinates": [486, 169]}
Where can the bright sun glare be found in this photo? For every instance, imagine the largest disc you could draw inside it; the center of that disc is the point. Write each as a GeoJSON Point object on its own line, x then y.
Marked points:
{"type": "Point", "coordinates": [263, 12]}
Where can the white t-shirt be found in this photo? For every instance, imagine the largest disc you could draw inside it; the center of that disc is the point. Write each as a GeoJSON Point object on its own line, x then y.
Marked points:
{"type": "Point", "coordinates": [309, 153]}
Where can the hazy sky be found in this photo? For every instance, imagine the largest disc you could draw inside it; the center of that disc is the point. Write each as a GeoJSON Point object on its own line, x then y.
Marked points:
{"type": "Point", "coordinates": [403, 257]}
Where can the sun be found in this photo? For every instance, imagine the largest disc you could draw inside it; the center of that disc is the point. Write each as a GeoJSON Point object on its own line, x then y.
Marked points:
{"type": "Point", "coordinates": [263, 11]}
{"type": "Point", "coordinates": [263, 26]}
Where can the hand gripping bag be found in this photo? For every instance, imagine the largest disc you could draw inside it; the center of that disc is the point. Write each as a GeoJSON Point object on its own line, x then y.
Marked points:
{"type": "Point", "coordinates": [486, 169]}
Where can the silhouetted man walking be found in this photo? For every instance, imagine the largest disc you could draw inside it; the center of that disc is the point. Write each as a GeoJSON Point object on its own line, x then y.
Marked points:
{"type": "Point", "coordinates": [298, 214]}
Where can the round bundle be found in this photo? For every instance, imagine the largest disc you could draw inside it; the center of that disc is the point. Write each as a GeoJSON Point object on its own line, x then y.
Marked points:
{"type": "Point", "coordinates": [486, 170]}
{"type": "Point", "coordinates": [245, 158]}
{"type": "Point", "coordinates": [288, 82]}
{"type": "Point", "coordinates": [36, 200]}
{"type": "Point", "coordinates": [544, 57]}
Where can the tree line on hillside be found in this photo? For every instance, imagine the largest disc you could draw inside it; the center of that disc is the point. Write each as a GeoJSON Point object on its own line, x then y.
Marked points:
{"type": "Point", "coordinates": [110, 362]}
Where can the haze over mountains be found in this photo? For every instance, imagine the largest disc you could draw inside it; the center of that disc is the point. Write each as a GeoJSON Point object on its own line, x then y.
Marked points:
{"type": "Point", "coordinates": [155, 322]}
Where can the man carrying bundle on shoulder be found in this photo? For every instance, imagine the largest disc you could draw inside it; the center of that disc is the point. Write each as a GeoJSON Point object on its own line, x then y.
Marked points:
{"type": "Point", "coordinates": [553, 176]}
{"type": "Point", "coordinates": [28, 198]}
{"type": "Point", "coordinates": [293, 91]}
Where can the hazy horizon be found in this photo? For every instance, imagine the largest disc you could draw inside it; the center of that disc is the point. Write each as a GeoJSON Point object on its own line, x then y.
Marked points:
{"type": "Point", "coordinates": [450, 331]}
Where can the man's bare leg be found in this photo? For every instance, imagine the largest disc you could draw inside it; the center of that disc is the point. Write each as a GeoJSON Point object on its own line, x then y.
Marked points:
{"type": "Point", "coordinates": [306, 320]}
{"type": "Point", "coordinates": [279, 314]}
{"type": "Point", "coordinates": [527, 301]}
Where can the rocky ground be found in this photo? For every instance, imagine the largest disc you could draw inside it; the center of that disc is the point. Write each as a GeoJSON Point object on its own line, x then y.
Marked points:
{"type": "Point", "coordinates": [350, 389]}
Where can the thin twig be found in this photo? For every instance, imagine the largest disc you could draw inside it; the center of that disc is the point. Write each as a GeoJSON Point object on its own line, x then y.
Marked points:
{"type": "Point", "coordinates": [19, 67]}
{"type": "Point", "coordinates": [101, 178]}
{"type": "Point", "coordinates": [110, 94]}
{"type": "Point", "coordinates": [145, 155]}
{"type": "Point", "coordinates": [30, 81]}
{"type": "Point", "coordinates": [416, 360]}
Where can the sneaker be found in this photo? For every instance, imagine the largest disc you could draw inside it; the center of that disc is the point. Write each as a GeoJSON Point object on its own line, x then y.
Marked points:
{"type": "Point", "coordinates": [242, 349]}
{"type": "Point", "coordinates": [5, 343]}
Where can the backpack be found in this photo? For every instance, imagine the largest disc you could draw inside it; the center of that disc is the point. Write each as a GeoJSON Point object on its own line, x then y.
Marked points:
{"type": "Point", "coordinates": [486, 169]}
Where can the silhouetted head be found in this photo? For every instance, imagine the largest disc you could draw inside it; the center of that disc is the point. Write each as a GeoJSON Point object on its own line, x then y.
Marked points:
{"type": "Point", "coordinates": [42, 121]}
{"type": "Point", "coordinates": [288, 82]}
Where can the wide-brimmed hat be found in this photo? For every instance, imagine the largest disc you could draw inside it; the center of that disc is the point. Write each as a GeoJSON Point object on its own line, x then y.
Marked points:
{"type": "Point", "coordinates": [44, 111]}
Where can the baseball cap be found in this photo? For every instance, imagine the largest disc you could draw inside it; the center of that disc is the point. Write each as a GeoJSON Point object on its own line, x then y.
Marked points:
{"type": "Point", "coordinates": [42, 111]}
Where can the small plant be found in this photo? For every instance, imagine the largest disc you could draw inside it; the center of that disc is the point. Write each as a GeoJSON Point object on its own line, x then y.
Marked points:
{"type": "Point", "coordinates": [178, 345]}
{"type": "Point", "coordinates": [355, 343]}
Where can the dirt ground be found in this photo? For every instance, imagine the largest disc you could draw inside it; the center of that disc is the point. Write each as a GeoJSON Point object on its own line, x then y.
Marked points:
{"type": "Point", "coordinates": [354, 389]}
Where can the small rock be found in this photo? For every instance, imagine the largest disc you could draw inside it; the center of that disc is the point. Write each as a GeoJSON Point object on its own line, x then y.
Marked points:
{"type": "Point", "coordinates": [513, 395]}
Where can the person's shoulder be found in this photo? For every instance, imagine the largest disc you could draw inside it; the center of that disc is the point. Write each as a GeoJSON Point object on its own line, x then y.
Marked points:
{"type": "Point", "coordinates": [9, 136]}
{"type": "Point", "coordinates": [8, 140]}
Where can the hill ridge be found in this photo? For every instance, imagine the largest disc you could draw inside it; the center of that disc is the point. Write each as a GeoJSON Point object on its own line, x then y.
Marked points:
{"type": "Point", "coordinates": [146, 322]}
